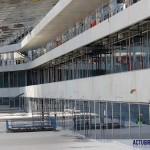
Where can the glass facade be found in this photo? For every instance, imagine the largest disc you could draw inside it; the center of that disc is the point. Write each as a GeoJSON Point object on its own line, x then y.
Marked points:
{"type": "Point", "coordinates": [19, 102]}
{"type": "Point", "coordinates": [122, 52]}
{"type": "Point", "coordinates": [98, 119]}
{"type": "Point", "coordinates": [104, 12]}
{"type": "Point", "coordinates": [127, 50]}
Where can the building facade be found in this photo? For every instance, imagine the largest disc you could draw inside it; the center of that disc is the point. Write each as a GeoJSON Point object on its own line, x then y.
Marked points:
{"type": "Point", "coordinates": [87, 64]}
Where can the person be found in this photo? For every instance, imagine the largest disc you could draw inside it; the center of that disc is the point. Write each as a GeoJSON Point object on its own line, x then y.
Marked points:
{"type": "Point", "coordinates": [139, 119]}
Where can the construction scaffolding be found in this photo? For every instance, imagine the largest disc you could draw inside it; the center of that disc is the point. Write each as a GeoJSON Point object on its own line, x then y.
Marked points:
{"type": "Point", "coordinates": [40, 110]}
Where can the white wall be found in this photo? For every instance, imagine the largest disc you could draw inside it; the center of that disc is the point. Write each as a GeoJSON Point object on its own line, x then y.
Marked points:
{"type": "Point", "coordinates": [120, 21]}
{"type": "Point", "coordinates": [115, 87]}
{"type": "Point", "coordinates": [35, 38]}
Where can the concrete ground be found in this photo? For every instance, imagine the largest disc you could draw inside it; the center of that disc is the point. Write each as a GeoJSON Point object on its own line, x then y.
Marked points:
{"type": "Point", "coordinates": [58, 140]}
{"type": "Point", "coordinates": [54, 140]}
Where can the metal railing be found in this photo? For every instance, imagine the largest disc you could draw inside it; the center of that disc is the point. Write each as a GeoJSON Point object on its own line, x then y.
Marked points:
{"type": "Point", "coordinates": [105, 11]}
{"type": "Point", "coordinates": [17, 36]}
{"type": "Point", "coordinates": [30, 124]}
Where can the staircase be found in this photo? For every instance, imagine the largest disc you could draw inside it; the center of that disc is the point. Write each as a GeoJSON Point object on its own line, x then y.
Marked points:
{"type": "Point", "coordinates": [5, 107]}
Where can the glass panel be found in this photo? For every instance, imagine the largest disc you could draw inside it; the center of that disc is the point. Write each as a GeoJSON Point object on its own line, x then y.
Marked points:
{"type": "Point", "coordinates": [62, 115]}
{"type": "Point", "coordinates": [109, 120]}
{"type": "Point", "coordinates": [149, 48]}
{"type": "Point", "coordinates": [92, 121]}
{"type": "Point", "coordinates": [124, 56]}
{"type": "Point", "coordinates": [5, 101]}
{"type": "Point", "coordinates": [125, 121]}
{"type": "Point", "coordinates": [1, 80]}
{"type": "Point", "coordinates": [86, 118]}
{"type": "Point", "coordinates": [29, 78]}
{"type": "Point", "coordinates": [103, 119]}
{"type": "Point", "coordinates": [117, 124]}
{"type": "Point", "coordinates": [108, 62]}
{"type": "Point", "coordinates": [17, 102]}
{"type": "Point", "coordinates": [72, 112]}
{"type": "Point", "coordinates": [98, 120]}
{"type": "Point", "coordinates": [145, 52]}
{"type": "Point", "coordinates": [77, 118]}
{"type": "Point", "coordinates": [21, 78]}
{"type": "Point", "coordinates": [5, 79]}
{"type": "Point", "coordinates": [117, 58]}
{"type": "Point", "coordinates": [65, 115]}
{"type": "Point", "coordinates": [12, 103]}
{"type": "Point", "coordinates": [1, 100]}
{"type": "Point", "coordinates": [134, 114]}
{"type": "Point", "coordinates": [136, 56]}
{"type": "Point", "coordinates": [82, 118]}
{"type": "Point", "coordinates": [56, 113]}
{"type": "Point", "coordinates": [144, 121]}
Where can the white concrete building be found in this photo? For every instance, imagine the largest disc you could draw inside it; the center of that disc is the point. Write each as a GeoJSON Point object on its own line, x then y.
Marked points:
{"type": "Point", "coordinates": [86, 62]}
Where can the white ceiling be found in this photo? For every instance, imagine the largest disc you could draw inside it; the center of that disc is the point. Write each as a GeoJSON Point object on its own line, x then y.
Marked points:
{"type": "Point", "coordinates": [31, 12]}
{"type": "Point", "coordinates": [73, 13]}
{"type": "Point", "coordinates": [26, 13]}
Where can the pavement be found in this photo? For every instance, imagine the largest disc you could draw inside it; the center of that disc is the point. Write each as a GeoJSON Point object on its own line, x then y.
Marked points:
{"type": "Point", "coordinates": [58, 140]}
{"type": "Point", "coordinates": [55, 140]}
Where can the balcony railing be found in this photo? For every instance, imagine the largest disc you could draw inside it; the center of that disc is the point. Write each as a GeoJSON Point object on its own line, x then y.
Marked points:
{"type": "Point", "coordinates": [102, 13]}
{"type": "Point", "coordinates": [17, 37]}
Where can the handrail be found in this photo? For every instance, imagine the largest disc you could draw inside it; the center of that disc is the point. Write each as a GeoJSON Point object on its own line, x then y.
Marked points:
{"type": "Point", "coordinates": [102, 13]}
{"type": "Point", "coordinates": [17, 37]}
{"type": "Point", "coordinates": [12, 99]}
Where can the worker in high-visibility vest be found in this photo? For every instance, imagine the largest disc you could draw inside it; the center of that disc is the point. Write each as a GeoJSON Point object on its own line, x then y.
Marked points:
{"type": "Point", "coordinates": [139, 119]}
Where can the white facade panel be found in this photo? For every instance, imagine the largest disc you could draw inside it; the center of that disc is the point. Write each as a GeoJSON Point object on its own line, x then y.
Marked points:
{"type": "Point", "coordinates": [115, 87]}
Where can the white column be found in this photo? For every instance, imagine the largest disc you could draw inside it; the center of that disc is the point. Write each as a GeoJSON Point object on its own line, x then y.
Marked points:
{"type": "Point", "coordinates": [4, 59]}
{"type": "Point", "coordinates": [11, 58]}
{"type": "Point", "coordinates": [30, 54]}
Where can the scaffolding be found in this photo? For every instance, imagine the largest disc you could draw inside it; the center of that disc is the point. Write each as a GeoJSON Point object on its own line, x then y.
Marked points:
{"type": "Point", "coordinates": [40, 111]}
